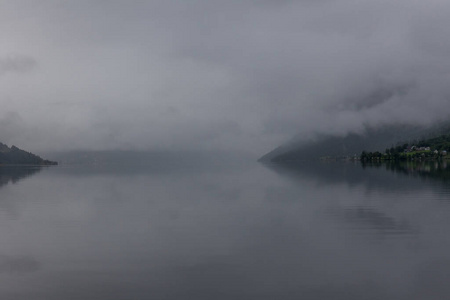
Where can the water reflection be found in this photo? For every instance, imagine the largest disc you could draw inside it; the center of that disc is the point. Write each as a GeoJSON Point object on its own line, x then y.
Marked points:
{"type": "Point", "coordinates": [15, 262]}
{"type": "Point", "coordinates": [388, 217]}
{"type": "Point", "coordinates": [435, 170]}
{"type": "Point", "coordinates": [18, 264]}
{"type": "Point", "coordinates": [13, 174]}
{"type": "Point", "coordinates": [378, 176]}
{"type": "Point", "coordinates": [364, 218]}
{"type": "Point", "coordinates": [318, 231]}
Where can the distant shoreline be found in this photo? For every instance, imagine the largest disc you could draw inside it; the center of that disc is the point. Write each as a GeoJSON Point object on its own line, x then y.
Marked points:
{"type": "Point", "coordinates": [29, 165]}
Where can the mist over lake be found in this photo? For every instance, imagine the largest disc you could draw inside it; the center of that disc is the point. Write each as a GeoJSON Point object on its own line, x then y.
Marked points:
{"type": "Point", "coordinates": [222, 230]}
{"type": "Point", "coordinates": [157, 112]}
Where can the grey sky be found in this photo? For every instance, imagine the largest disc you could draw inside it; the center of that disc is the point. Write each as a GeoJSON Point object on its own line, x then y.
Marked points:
{"type": "Point", "coordinates": [207, 74]}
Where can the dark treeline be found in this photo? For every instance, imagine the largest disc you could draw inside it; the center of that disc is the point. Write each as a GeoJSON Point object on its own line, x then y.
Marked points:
{"type": "Point", "coordinates": [426, 149]}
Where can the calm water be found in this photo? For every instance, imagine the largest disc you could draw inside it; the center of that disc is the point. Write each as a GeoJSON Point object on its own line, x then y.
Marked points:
{"type": "Point", "coordinates": [225, 231]}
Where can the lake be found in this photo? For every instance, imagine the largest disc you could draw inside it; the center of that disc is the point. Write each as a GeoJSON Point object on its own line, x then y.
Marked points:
{"type": "Point", "coordinates": [226, 230]}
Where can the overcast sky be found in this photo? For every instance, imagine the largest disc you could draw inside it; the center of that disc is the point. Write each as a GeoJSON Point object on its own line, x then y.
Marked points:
{"type": "Point", "coordinates": [206, 74]}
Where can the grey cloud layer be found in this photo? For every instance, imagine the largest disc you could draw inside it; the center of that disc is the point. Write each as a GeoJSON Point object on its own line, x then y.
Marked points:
{"type": "Point", "coordinates": [218, 74]}
{"type": "Point", "coordinates": [16, 63]}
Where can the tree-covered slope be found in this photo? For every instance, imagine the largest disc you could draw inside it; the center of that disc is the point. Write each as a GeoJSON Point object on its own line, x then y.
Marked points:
{"type": "Point", "coordinates": [429, 148]}
{"type": "Point", "coordinates": [16, 156]}
{"type": "Point", "coordinates": [372, 139]}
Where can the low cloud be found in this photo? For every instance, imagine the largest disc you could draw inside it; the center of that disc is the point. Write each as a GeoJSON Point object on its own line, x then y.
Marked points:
{"type": "Point", "coordinates": [213, 74]}
{"type": "Point", "coordinates": [16, 63]}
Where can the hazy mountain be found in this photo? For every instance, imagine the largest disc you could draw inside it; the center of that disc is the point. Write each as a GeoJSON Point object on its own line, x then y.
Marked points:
{"type": "Point", "coordinates": [372, 139]}
{"type": "Point", "coordinates": [145, 157]}
{"type": "Point", "coordinates": [16, 156]}
{"type": "Point", "coordinates": [148, 161]}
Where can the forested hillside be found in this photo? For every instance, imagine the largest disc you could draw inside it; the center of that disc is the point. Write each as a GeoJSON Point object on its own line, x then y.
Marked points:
{"type": "Point", "coordinates": [16, 156]}
{"type": "Point", "coordinates": [372, 139]}
{"type": "Point", "coordinates": [431, 148]}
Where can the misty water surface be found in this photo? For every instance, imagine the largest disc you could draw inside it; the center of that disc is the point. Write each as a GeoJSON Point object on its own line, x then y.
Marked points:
{"type": "Point", "coordinates": [225, 231]}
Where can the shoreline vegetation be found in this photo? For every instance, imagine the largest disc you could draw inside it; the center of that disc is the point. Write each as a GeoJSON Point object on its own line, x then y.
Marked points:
{"type": "Point", "coordinates": [436, 148]}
